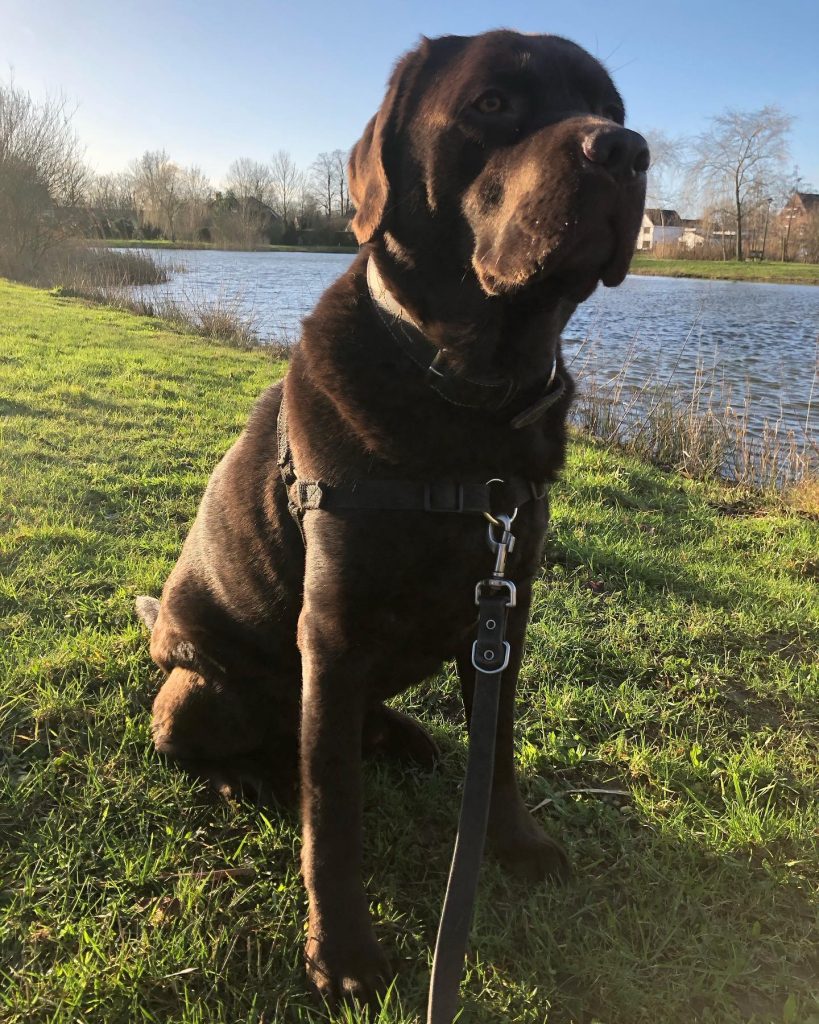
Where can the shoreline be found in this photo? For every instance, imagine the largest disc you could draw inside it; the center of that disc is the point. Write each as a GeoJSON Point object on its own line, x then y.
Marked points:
{"type": "Point", "coordinates": [677, 444]}
{"type": "Point", "coordinates": [762, 272]}
{"type": "Point", "coordinates": [161, 243]}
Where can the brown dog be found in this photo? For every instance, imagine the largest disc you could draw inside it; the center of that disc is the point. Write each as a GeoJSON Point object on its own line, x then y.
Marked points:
{"type": "Point", "coordinates": [494, 189]}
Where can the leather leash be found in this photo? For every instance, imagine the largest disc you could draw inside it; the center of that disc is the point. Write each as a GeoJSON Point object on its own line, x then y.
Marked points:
{"type": "Point", "coordinates": [490, 656]}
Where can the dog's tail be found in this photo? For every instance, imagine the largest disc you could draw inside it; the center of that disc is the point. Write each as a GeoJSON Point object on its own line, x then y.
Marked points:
{"type": "Point", "coordinates": [147, 608]}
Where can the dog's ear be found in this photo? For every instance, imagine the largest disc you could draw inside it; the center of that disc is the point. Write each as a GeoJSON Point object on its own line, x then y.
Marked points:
{"type": "Point", "coordinates": [371, 157]}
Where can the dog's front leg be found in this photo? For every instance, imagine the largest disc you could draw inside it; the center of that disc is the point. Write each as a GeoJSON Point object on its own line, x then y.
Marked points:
{"type": "Point", "coordinates": [514, 836]}
{"type": "Point", "coordinates": [343, 959]}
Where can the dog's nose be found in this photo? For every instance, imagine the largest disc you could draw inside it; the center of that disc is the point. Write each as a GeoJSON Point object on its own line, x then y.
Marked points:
{"type": "Point", "coordinates": [622, 152]}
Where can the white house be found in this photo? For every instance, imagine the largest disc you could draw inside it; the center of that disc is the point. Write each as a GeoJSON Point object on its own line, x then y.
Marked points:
{"type": "Point", "coordinates": [692, 235]}
{"type": "Point", "coordinates": [659, 227]}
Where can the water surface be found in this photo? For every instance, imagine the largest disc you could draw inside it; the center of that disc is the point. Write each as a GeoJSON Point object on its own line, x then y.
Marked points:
{"type": "Point", "coordinates": [756, 342]}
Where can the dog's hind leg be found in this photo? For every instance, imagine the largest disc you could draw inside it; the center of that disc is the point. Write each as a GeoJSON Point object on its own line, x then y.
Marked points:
{"type": "Point", "coordinates": [227, 737]}
{"type": "Point", "coordinates": [392, 734]}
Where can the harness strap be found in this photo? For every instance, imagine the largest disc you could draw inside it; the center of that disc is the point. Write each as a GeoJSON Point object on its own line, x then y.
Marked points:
{"type": "Point", "coordinates": [467, 497]}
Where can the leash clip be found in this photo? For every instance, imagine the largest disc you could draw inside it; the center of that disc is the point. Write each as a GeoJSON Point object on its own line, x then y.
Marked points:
{"type": "Point", "coordinates": [491, 517]}
{"type": "Point", "coordinates": [501, 545]}
{"type": "Point", "coordinates": [507, 585]}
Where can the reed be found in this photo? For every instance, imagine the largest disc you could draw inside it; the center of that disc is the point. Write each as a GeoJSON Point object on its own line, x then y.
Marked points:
{"type": "Point", "coordinates": [119, 279]}
{"type": "Point", "coordinates": [691, 425]}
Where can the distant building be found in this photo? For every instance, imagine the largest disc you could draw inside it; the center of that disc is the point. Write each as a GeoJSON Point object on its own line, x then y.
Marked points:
{"type": "Point", "coordinates": [800, 208]}
{"type": "Point", "coordinates": [799, 222]}
{"type": "Point", "coordinates": [693, 235]}
{"type": "Point", "coordinates": [659, 227]}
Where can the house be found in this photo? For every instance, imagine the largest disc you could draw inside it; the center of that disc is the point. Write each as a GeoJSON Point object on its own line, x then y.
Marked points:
{"type": "Point", "coordinates": [693, 234]}
{"type": "Point", "coordinates": [659, 227]}
{"type": "Point", "coordinates": [799, 221]}
{"type": "Point", "coordinates": [800, 209]}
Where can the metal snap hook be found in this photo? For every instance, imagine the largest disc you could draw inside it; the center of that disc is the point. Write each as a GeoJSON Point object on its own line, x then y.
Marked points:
{"type": "Point", "coordinates": [496, 520]}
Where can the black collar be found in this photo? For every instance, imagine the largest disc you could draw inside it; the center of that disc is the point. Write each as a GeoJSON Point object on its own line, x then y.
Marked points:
{"type": "Point", "coordinates": [497, 395]}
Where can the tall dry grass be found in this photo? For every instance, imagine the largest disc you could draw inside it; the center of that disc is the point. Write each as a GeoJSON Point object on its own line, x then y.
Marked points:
{"type": "Point", "coordinates": [117, 278]}
{"type": "Point", "coordinates": [691, 426]}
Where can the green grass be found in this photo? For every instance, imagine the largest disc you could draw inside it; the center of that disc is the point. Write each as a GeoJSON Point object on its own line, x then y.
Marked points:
{"type": "Point", "coordinates": [672, 657]}
{"type": "Point", "coordinates": [728, 270]}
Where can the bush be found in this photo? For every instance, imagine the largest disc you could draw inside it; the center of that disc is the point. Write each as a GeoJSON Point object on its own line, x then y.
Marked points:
{"type": "Point", "coordinates": [41, 175]}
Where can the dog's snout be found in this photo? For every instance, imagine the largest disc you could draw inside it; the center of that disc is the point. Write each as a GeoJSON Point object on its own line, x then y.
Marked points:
{"type": "Point", "coordinates": [622, 152]}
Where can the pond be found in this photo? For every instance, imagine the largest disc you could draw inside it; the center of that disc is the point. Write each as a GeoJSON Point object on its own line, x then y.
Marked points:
{"type": "Point", "coordinates": [754, 345]}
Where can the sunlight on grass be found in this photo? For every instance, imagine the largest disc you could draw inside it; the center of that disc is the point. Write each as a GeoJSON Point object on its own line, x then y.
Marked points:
{"type": "Point", "coordinates": [669, 703]}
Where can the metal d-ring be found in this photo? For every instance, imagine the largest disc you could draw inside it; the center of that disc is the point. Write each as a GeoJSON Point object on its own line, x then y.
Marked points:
{"type": "Point", "coordinates": [493, 519]}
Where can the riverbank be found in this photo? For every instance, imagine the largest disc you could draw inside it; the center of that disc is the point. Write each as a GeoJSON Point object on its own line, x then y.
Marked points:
{"type": "Point", "coordinates": [671, 663]}
{"type": "Point", "coordinates": [762, 271]}
{"type": "Point", "coordinates": [769, 271]}
{"type": "Point", "coordinates": [162, 243]}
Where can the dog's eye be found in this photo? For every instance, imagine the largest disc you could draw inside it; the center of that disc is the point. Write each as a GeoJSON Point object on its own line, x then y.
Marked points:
{"type": "Point", "coordinates": [491, 102]}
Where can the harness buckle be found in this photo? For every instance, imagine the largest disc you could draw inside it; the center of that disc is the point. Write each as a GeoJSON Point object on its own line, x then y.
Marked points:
{"type": "Point", "coordinates": [305, 495]}
{"type": "Point", "coordinates": [442, 497]}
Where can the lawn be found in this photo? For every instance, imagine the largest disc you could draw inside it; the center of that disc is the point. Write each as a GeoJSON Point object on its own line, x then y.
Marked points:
{"type": "Point", "coordinates": [728, 270]}
{"type": "Point", "coordinates": [671, 663]}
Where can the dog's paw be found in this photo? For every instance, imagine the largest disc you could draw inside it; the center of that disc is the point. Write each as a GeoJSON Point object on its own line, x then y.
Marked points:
{"type": "Point", "coordinates": [247, 780]}
{"type": "Point", "coordinates": [348, 970]}
{"type": "Point", "coordinates": [391, 733]}
{"type": "Point", "coordinates": [532, 855]}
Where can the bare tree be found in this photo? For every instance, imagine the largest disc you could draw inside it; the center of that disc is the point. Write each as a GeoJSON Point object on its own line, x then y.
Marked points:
{"type": "Point", "coordinates": [286, 184]}
{"type": "Point", "coordinates": [810, 238]}
{"type": "Point", "coordinates": [740, 156]}
{"type": "Point", "coordinates": [323, 173]}
{"type": "Point", "coordinates": [110, 192]}
{"type": "Point", "coordinates": [340, 159]}
{"type": "Point", "coordinates": [111, 204]}
{"type": "Point", "coordinates": [41, 170]}
{"type": "Point", "coordinates": [157, 183]}
{"type": "Point", "coordinates": [664, 187]}
{"type": "Point", "coordinates": [196, 195]}
{"type": "Point", "coordinates": [244, 212]}
{"type": "Point", "coordinates": [250, 179]}
{"type": "Point", "coordinates": [307, 209]}
{"type": "Point", "coordinates": [328, 183]}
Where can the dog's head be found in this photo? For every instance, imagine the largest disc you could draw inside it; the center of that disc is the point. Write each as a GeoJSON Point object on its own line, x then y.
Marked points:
{"type": "Point", "coordinates": [510, 152]}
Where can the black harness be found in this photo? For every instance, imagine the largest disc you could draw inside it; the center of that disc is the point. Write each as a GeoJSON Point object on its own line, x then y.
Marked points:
{"type": "Point", "coordinates": [497, 501]}
{"type": "Point", "coordinates": [467, 497]}
{"type": "Point", "coordinates": [500, 396]}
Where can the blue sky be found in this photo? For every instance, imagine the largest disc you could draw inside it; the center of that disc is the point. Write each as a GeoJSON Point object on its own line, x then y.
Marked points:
{"type": "Point", "coordinates": [212, 81]}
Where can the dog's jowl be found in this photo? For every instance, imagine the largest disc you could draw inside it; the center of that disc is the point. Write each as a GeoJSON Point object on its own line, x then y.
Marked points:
{"type": "Point", "coordinates": [334, 556]}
